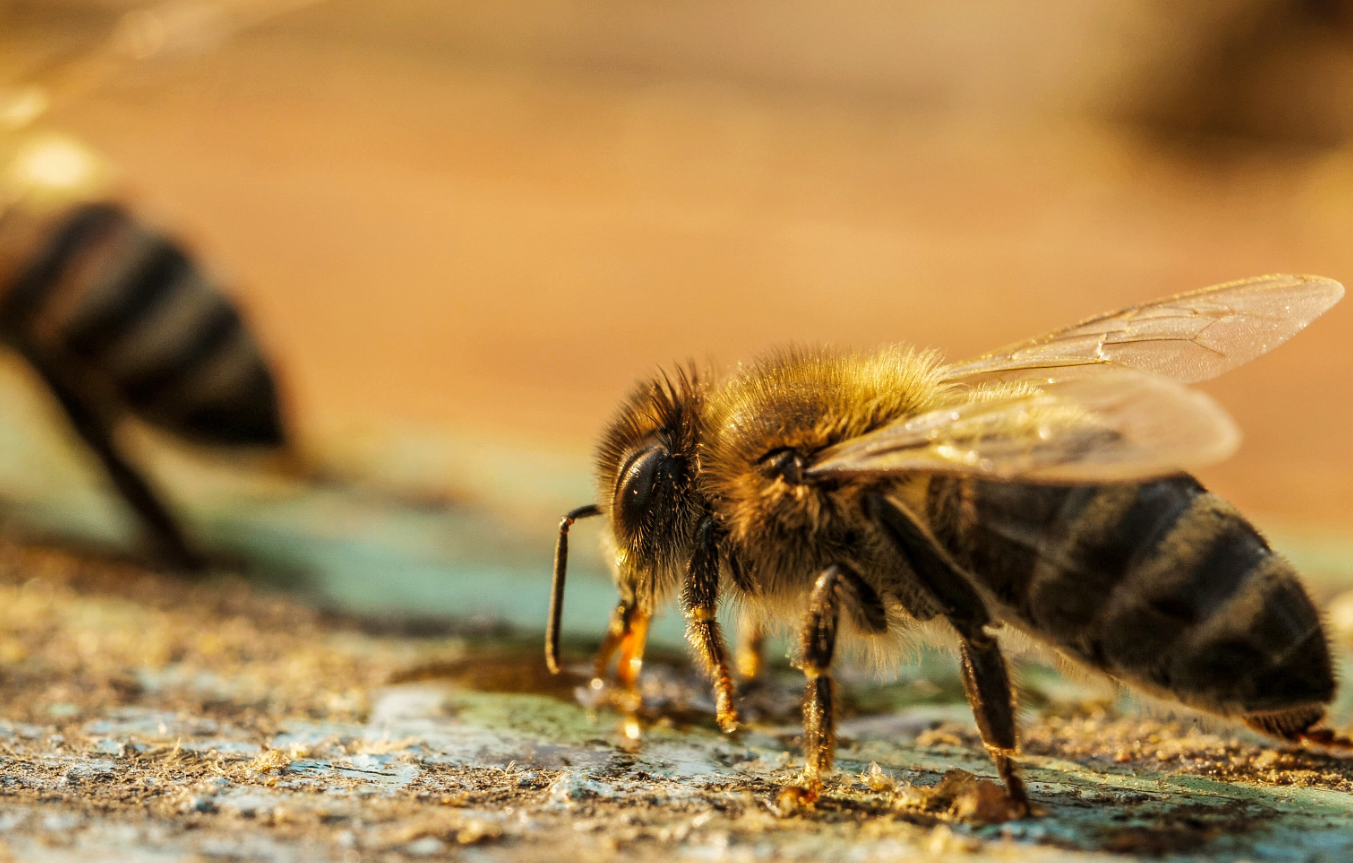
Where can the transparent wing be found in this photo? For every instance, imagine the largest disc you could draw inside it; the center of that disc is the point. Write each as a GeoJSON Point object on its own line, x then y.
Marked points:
{"type": "Point", "coordinates": [159, 29]}
{"type": "Point", "coordinates": [1105, 426]}
{"type": "Point", "coordinates": [1189, 338]}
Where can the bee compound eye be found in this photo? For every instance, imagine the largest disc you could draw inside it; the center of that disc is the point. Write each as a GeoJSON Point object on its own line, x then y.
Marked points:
{"type": "Point", "coordinates": [635, 491]}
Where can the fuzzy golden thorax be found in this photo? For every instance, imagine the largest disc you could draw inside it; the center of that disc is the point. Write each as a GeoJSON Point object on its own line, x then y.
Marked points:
{"type": "Point", "coordinates": [768, 422]}
{"type": "Point", "coordinates": [646, 483]}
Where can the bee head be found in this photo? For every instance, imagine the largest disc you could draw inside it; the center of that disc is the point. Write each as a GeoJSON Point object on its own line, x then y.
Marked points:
{"type": "Point", "coordinates": [646, 483]}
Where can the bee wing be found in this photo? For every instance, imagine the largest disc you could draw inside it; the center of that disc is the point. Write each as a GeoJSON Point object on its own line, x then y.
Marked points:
{"type": "Point", "coordinates": [1106, 426]}
{"type": "Point", "coordinates": [162, 29]}
{"type": "Point", "coordinates": [1189, 338]}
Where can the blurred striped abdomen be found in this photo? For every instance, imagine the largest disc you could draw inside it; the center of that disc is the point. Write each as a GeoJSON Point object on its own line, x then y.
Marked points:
{"type": "Point", "coordinates": [1160, 584]}
{"type": "Point", "coordinates": [124, 308]}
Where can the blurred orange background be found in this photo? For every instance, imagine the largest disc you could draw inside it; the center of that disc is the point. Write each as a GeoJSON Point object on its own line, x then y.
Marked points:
{"type": "Point", "coordinates": [485, 220]}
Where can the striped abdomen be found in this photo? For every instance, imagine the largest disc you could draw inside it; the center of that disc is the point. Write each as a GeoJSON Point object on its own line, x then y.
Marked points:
{"type": "Point", "coordinates": [125, 311]}
{"type": "Point", "coordinates": [1160, 584]}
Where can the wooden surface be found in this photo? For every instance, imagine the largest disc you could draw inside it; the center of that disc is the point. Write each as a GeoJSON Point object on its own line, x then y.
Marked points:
{"type": "Point", "coordinates": [148, 719]}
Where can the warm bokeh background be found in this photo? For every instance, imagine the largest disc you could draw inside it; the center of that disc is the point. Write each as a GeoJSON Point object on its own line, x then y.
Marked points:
{"type": "Point", "coordinates": [483, 220]}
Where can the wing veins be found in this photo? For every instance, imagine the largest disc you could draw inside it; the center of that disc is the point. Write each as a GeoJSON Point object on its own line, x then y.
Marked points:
{"type": "Point", "coordinates": [1255, 316]}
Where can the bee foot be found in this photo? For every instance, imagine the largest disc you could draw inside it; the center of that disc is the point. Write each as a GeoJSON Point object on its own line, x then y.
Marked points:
{"type": "Point", "coordinates": [631, 733]}
{"type": "Point", "coordinates": [727, 714]}
{"type": "Point", "coordinates": [1017, 808]}
{"type": "Point", "coordinates": [729, 722]}
{"type": "Point", "coordinates": [794, 799]}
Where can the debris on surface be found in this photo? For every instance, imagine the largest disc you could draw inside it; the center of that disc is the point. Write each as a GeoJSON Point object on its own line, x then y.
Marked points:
{"type": "Point", "coordinates": [148, 717]}
{"type": "Point", "coordinates": [962, 796]}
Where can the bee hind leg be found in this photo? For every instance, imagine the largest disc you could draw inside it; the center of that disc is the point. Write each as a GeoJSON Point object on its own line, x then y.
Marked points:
{"type": "Point", "coordinates": [985, 679]}
{"type": "Point", "coordinates": [839, 582]}
{"type": "Point", "coordinates": [987, 685]}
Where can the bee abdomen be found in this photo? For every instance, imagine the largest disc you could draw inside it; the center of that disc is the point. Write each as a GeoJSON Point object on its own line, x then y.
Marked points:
{"type": "Point", "coordinates": [126, 304]}
{"type": "Point", "coordinates": [1161, 584]}
{"type": "Point", "coordinates": [85, 228]}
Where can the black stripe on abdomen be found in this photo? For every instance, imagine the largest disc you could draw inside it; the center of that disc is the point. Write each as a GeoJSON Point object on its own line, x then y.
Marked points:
{"type": "Point", "coordinates": [1050, 552]}
{"type": "Point", "coordinates": [1185, 579]}
{"type": "Point", "coordinates": [149, 273]}
{"type": "Point", "coordinates": [994, 529]}
{"type": "Point", "coordinates": [1263, 651]}
{"type": "Point", "coordinates": [83, 230]}
{"type": "Point", "coordinates": [1163, 585]}
{"type": "Point", "coordinates": [160, 353]}
{"type": "Point", "coordinates": [227, 397]}
{"type": "Point", "coordinates": [1090, 550]}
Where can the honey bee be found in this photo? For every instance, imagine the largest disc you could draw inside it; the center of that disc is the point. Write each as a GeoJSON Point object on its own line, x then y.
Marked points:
{"type": "Point", "coordinates": [1039, 487]}
{"type": "Point", "coordinates": [114, 316]}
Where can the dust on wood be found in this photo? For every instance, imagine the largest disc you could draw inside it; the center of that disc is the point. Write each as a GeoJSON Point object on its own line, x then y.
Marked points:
{"type": "Point", "coordinates": [157, 717]}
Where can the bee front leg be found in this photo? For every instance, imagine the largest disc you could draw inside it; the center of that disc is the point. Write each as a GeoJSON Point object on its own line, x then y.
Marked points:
{"type": "Point", "coordinates": [700, 603]}
{"type": "Point", "coordinates": [819, 705]}
{"type": "Point", "coordinates": [627, 635]}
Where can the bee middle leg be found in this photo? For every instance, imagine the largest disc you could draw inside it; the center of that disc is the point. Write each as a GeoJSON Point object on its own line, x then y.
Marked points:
{"type": "Point", "coordinates": [700, 602]}
{"type": "Point", "coordinates": [751, 652]}
{"type": "Point", "coordinates": [839, 584]}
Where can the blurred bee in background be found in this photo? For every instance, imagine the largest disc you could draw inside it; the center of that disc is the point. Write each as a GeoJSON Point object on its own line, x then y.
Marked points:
{"type": "Point", "coordinates": [1039, 487]}
{"type": "Point", "coordinates": [114, 316]}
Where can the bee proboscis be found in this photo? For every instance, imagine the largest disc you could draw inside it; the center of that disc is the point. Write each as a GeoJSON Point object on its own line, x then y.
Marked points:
{"type": "Point", "coordinates": [1040, 487]}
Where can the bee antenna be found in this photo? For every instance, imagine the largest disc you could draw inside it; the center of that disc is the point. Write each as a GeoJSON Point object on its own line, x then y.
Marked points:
{"type": "Point", "coordinates": [557, 587]}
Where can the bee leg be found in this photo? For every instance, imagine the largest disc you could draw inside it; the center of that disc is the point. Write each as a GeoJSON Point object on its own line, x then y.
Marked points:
{"type": "Point", "coordinates": [992, 699]}
{"type": "Point", "coordinates": [627, 635]}
{"type": "Point", "coordinates": [985, 679]}
{"type": "Point", "coordinates": [700, 603]}
{"type": "Point", "coordinates": [818, 644]}
{"type": "Point", "coordinates": [751, 654]}
{"type": "Point", "coordinates": [163, 529]}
